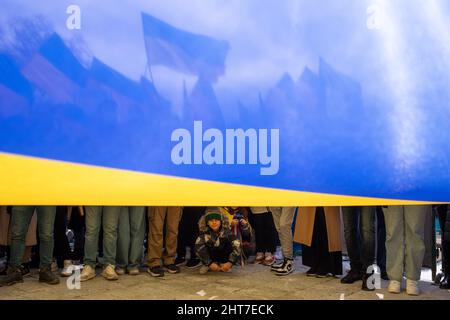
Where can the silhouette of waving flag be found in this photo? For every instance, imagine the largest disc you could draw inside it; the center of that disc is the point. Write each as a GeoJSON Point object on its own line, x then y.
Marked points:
{"type": "Point", "coordinates": [183, 51]}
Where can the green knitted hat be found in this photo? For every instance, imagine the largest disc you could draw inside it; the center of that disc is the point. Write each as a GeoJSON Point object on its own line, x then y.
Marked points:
{"type": "Point", "coordinates": [213, 213]}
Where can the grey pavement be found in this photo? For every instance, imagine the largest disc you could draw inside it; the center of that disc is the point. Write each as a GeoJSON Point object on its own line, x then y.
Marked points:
{"type": "Point", "coordinates": [243, 283]}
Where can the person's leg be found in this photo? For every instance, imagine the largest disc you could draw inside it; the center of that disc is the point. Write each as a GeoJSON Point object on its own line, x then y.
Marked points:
{"type": "Point", "coordinates": [367, 230]}
{"type": "Point", "coordinates": [260, 234]}
{"type": "Point", "coordinates": [20, 219]}
{"type": "Point", "coordinates": [46, 223]}
{"type": "Point", "coordinates": [123, 238]}
{"type": "Point", "coordinates": [286, 236]}
{"type": "Point", "coordinates": [395, 242]}
{"type": "Point", "coordinates": [350, 217]}
{"type": "Point", "coordinates": [414, 240]}
{"type": "Point", "coordinates": [182, 235]}
{"type": "Point", "coordinates": [93, 221]}
{"type": "Point", "coordinates": [155, 243]}
{"type": "Point", "coordinates": [270, 230]}
{"type": "Point", "coordinates": [381, 242]}
{"type": "Point", "coordinates": [110, 225]}
{"type": "Point", "coordinates": [137, 230]}
{"type": "Point", "coordinates": [193, 233]}
{"type": "Point", "coordinates": [172, 222]}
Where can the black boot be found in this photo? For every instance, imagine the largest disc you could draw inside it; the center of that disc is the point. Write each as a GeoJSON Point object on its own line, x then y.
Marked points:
{"type": "Point", "coordinates": [353, 276]}
{"type": "Point", "coordinates": [47, 276]}
{"type": "Point", "coordinates": [13, 276]}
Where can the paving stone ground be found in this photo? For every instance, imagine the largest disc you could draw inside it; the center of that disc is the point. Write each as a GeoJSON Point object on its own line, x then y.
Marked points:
{"type": "Point", "coordinates": [250, 282]}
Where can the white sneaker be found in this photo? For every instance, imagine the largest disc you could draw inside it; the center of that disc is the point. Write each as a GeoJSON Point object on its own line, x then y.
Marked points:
{"type": "Point", "coordinates": [412, 287]}
{"type": "Point", "coordinates": [394, 286]}
{"type": "Point", "coordinates": [88, 273]}
{"type": "Point", "coordinates": [109, 273]}
{"type": "Point", "coordinates": [68, 265]}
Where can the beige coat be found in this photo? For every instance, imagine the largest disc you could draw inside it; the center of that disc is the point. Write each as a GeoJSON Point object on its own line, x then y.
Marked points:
{"type": "Point", "coordinates": [304, 227]}
{"type": "Point", "coordinates": [5, 229]}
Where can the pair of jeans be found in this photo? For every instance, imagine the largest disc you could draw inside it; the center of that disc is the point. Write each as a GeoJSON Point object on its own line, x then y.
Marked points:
{"type": "Point", "coordinates": [283, 218]}
{"type": "Point", "coordinates": [20, 219]}
{"type": "Point", "coordinates": [359, 232]}
{"type": "Point", "coordinates": [108, 217]}
{"type": "Point", "coordinates": [130, 240]}
{"type": "Point", "coordinates": [405, 245]}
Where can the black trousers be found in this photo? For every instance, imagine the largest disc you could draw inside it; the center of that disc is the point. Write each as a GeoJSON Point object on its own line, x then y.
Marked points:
{"type": "Point", "coordinates": [444, 220]}
{"type": "Point", "coordinates": [188, 230]}
{"type": "Point", "coordinates": [265, 232]}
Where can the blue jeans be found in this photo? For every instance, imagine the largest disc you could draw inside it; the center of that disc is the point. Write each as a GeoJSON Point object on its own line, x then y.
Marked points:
{"type": "Point", "coordinates": [359, 231]}
{"type": "Point", "coordinates": [130, 240]}
{"type": "Point", "coordinates": [109, 218]}
{"type": "Point", "coordinates": [20, 219]}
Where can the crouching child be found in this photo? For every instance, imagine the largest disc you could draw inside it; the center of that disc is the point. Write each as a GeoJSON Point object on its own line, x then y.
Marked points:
{"type": "Point", "coordinates": [217, 247]}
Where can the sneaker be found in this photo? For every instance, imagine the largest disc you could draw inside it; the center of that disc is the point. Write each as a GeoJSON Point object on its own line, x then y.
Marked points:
{"type": "Point", "coordinates": [120, 271]}
{"type": "Point", "coordinates": [259, 257]}
{"type": "Point", "coordinates": [47, 276]}
{"type": "Point", "coordinates": [88, 273]}
{"type": "Point", "coordinates": [269, 259]}
{"type": "Point", "coordinates": [311, 272]}
{"type": "Point", "coordinates": [156, 272]}
{"type": "Point", "coordinates": [13, 276]}
{"type": "Point", "coordinates": [412, 287]}
{"type": "Point", "coordinates": [394, 286]}
{"type": "Point", "coordinates": [204, 269]}
{"type": "Point", "coordinates": [276, 265]}
{"type": "Point", "coordinates": [286, 268]}
{"type": "Point", "coordinates": [179, 261]}
{"type": "Point", "coordinates": [67, 271]}
{"type": "Point", "coordinates": [109, 273]}
{"type": "Point", "coordinates": [133, 271]}
{"type": "Point", "coordinates": [352, 276]}
{"type": "Point", "coordinates": [172, 268]}
{"type": "Point", "coordinates": [193, 263]}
